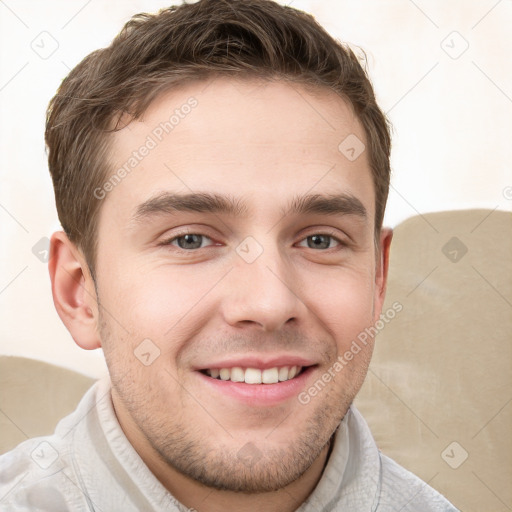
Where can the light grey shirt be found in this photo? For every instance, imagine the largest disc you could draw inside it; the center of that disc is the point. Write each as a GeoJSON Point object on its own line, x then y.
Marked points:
{"type": "Point", "coordinates": [89, 465]}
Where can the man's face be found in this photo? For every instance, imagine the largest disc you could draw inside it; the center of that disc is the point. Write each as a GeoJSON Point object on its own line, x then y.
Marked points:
{"type": "Point", "coordinates": [189, 290]}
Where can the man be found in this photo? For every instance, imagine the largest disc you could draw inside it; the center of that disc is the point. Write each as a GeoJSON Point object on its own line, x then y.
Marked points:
{"type": "Point", "coordinates": [221, 172]}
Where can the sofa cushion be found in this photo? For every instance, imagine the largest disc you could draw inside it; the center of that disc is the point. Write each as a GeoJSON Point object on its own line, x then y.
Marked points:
{"type": "Point", "coordinates": [438, 396]}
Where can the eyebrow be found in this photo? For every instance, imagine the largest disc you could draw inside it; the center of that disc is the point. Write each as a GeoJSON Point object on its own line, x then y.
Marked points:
{"type": "Point", "coordinates": [169, 203]}
{"type": "Point", "coordinates": [335, 204]}
{"type": "Point", "coordinates": [201, 202]}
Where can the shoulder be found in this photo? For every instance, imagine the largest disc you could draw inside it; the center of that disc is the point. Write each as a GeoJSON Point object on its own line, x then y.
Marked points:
{"type": "Point", "coordinates": [39, 473]}
{"type": "Point", "coordinates": [398, 485]}
{"type": "Point", "coordinates": [395, 488]}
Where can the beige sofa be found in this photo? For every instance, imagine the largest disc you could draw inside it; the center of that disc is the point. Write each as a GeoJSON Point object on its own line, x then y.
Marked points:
{"type": "Point", "coordinates": [438, 396]}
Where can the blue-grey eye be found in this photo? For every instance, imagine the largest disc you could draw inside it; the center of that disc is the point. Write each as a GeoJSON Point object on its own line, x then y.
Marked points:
{"type": "Point", "coordinates": [189, 241]}
{"type": "Point", "coordinates": [320, 241]}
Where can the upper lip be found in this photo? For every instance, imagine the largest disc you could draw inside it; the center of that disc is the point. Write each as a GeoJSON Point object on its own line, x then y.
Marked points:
{"type": "Point", "coordinates": [257, 361]}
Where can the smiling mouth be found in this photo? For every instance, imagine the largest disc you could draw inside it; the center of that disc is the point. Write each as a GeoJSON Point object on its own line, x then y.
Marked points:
{"type": "Point", "coordinates": [255, 375]}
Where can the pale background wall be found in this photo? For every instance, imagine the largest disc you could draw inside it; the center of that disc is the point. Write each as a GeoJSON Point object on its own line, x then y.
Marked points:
{"type": "Point", "coordinates": [451, 110]}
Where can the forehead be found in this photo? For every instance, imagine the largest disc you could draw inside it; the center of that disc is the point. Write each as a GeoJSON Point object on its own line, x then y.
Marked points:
{"type": "Point", "coordinates": [264, 141]}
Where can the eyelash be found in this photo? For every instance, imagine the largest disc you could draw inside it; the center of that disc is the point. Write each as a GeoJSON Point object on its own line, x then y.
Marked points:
{"type": "Point", "coordinates": [169, 242]}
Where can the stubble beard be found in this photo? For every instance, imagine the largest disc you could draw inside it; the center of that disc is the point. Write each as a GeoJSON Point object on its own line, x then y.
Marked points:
{"type": "Point", "coordinates": [194, 452]}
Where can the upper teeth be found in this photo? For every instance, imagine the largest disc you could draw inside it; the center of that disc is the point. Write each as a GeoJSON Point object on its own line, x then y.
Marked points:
{"type": "Point", "coordinates": [255, 375]}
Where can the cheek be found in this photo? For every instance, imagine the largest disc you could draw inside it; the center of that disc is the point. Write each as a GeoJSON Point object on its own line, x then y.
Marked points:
{"type": "Point", "coordinates": [160, 303]}
{"type": "Point", "coordinates": [343, 302]}
{"type": "Point", "coordinates": [164, 301]}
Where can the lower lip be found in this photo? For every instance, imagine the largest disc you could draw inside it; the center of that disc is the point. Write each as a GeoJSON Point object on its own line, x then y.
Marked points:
{"type": "Point", "coordinates": [260, 394]}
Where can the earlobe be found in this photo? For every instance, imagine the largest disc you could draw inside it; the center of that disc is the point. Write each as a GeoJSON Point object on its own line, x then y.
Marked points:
{"type": "Point", "coordinates": [73, 291]}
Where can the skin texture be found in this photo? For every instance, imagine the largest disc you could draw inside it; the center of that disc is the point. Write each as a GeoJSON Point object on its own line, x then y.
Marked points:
{"type": "Point", "coordinates": [263, 144]}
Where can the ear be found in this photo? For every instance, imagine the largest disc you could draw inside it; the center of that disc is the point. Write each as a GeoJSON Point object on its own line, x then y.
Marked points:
{"type": "Point", "coordinates": [381, 270]}
{"type": "Point", "coordinates": [73, 291]}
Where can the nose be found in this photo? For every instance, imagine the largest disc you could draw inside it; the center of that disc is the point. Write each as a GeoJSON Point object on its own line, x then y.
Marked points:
{"type": "Point", "coordinates": [261, 293]}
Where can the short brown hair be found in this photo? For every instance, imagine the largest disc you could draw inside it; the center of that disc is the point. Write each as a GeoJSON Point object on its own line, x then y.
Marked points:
{"type": "Point", "coordinates": [153, 53]}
